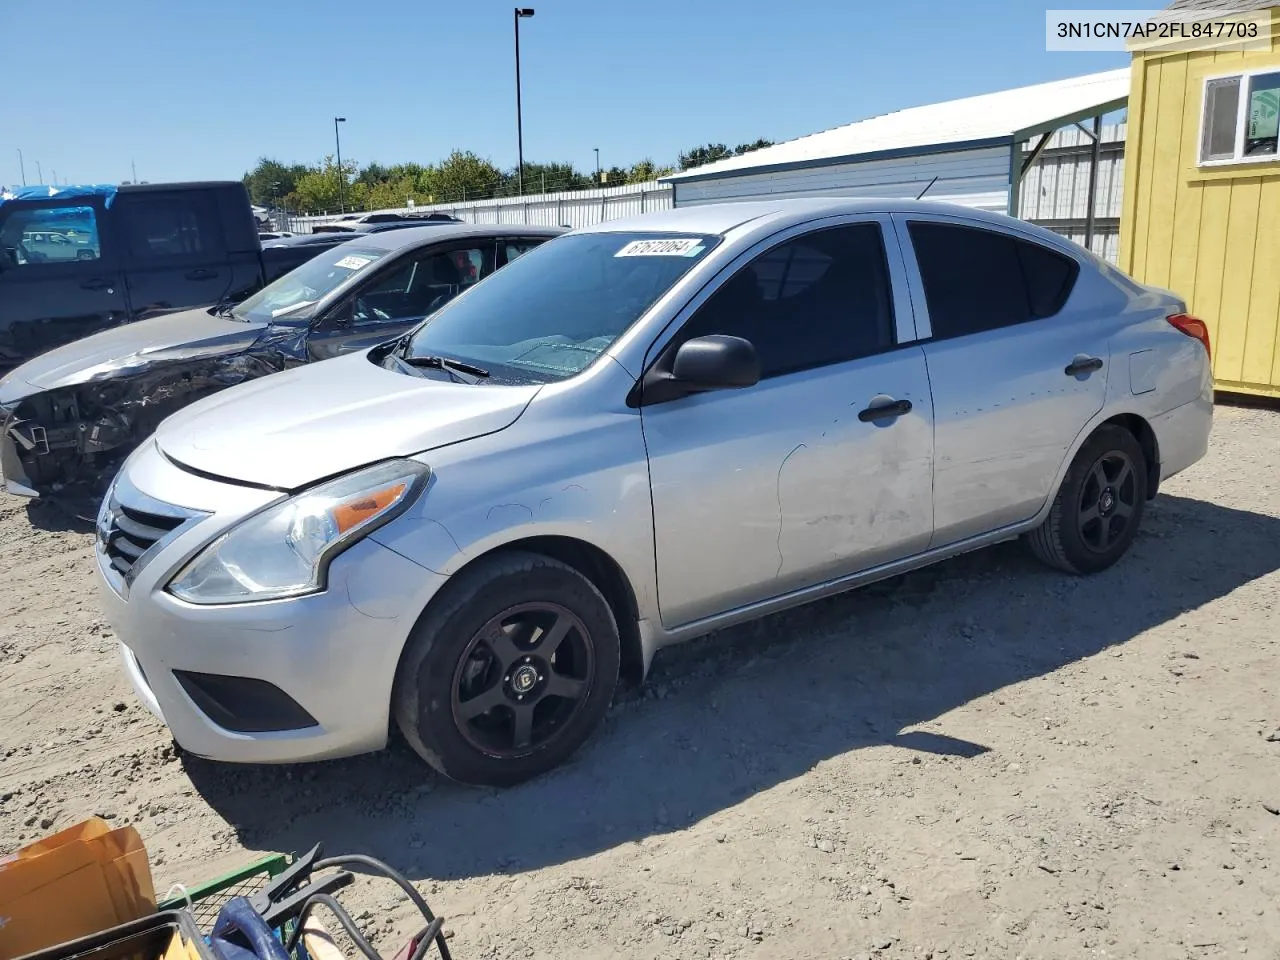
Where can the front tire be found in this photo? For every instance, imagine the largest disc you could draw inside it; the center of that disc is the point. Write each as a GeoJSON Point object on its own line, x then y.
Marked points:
{"type": "Point", "coordinates": [1099, 506]}
{"type": "Point", "coordinates": [509, 671]}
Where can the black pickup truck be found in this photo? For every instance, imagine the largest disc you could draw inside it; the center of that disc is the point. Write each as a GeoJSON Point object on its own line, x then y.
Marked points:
{"type": "Point", "coordinates": [76, 260]}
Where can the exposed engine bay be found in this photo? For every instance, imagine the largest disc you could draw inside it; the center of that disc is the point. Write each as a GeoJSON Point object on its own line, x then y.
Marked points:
{"type": "Point", "coordinates": [69, 441]}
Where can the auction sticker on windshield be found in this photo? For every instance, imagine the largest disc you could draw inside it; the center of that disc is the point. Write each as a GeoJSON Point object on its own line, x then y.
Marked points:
{"type": "Point", "coordinates": [352, 262]}
{"type": "Point", "coordinates": [672, 247]}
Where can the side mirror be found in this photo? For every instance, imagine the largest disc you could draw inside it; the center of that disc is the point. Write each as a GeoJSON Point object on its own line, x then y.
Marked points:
{"type": "Point", "coordinates": [342, 315]}
{"type": "Point", "coordinates": [716, 362]}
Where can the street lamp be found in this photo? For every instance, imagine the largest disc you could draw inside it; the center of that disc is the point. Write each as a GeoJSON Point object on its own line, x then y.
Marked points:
{"type": "Point", "coordinates": [39, 173]}
{"type": "Point", "coordinates": [597, 150]}
{"type": "Point", "coordinates": [342, 177]}
{"type": "Point", "coordinates": [23, 167]}
{"type": "Point", "coordinates": [520, 13]}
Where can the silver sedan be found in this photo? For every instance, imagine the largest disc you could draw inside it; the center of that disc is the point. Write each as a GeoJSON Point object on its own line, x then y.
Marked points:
{"type": "Point", "coordinates": [635, 434]}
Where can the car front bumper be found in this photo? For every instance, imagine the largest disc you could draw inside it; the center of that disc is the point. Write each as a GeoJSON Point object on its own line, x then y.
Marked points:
{"type": "Point", "coordinates": [307, 678]}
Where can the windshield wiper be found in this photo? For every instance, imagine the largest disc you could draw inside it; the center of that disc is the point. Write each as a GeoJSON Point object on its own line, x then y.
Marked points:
{"type": "Point", "coordinates": [226, 308]}
{"type": "Point", "coordinates": [448, 365]}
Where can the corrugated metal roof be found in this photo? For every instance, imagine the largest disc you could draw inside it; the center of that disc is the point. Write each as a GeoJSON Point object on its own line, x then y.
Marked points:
{"type": "Point", "coordinates": [983, 120]}
{"type": "Point", "coordinates": [1223, 6]}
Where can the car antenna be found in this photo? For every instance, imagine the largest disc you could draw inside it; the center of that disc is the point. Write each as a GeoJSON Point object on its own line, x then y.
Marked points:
{"type": "Point", "coordinates": [926, 189]}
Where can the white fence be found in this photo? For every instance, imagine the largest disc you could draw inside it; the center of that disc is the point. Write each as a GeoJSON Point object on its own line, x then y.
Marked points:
{"type": "Point", "coordinates": [577, 208]}
{"type": "Point", "coordinates": [1054, 193]}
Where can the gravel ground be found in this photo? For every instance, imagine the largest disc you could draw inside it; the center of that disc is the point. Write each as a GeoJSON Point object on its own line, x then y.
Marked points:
{"type": "Point", "coordinates": [985, 758]}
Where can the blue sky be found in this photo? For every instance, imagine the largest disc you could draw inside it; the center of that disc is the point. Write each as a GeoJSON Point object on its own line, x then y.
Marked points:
{"type": "Point", "coordinates": [200, 90]}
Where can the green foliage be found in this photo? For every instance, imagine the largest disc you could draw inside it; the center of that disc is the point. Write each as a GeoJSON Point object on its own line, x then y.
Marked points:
{"type": "Point", "coordinates": [711, 152]}
{"type": "Point", "coordinates": [271, 180]}
{"type": "Point", "coordinates": [460, 176]}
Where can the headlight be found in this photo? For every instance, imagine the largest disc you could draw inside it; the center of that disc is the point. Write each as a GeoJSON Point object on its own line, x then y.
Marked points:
{"type": "Point", "coordinates": [285, 550]}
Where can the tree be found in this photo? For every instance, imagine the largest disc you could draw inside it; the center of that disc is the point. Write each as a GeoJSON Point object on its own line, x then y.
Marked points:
{"type": "Point", "coordinates": [271, 180]}
{"type": "Point", "coordinates": [551, 177]}
{"type": "Point", "coordinates": [462, 174]}
{"type": "Point", "coordinates": [760, 144]}
{"type": "Point", "coordinates": [317, 191]}
{"type": "Point", "coordinates": [708, 153]}
{"type": "Point", "coordinates": [645, 170]}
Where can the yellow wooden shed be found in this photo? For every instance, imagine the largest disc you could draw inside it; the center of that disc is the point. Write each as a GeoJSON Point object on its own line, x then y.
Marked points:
{"type": "Point", "coordinates": [1201, 213]}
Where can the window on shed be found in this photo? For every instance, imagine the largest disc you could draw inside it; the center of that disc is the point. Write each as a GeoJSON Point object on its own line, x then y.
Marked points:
{"type": "Point", "coordinates": [977, 280]}
{"type": "Point", "coordinates": [1241, 118]}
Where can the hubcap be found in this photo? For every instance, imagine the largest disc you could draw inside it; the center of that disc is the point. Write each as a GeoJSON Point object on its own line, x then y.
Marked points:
{"type": "Point", "coordinates": [522, 678]}
{"type": "Point", "coordinates": [1108, 497]}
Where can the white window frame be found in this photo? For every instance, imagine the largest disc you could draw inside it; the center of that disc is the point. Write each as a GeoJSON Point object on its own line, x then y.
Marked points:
{"type": "Point", "coordinates": [1242, 112]}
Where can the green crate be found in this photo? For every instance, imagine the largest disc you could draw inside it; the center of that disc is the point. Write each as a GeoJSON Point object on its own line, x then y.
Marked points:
{"type": "Point", "coordinates": [208, 899]}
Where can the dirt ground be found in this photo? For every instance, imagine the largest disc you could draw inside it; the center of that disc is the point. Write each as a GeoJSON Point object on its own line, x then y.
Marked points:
{"type": "Point", "coordinates": [983, 759]}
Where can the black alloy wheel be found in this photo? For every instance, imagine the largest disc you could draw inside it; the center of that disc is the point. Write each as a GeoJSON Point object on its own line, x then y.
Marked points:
{"type": "Point", "coordinates": [522, 678]}
{"type": "Point", "coordinates": [1099, 505]}
{"type": "Point", "coordinates": [508, 671]}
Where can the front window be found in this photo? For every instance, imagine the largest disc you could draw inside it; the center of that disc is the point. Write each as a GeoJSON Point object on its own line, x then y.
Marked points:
{"type": "Point", "coordinates": [296, 293]}
{"type": "Point", "coordinates": [553, 311]}
{"type": "Point", "coordinates": [1241, 118]}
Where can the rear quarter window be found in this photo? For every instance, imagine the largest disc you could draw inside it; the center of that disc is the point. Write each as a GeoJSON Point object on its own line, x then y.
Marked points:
{"type": "Point", "coordinates": [977, 280]}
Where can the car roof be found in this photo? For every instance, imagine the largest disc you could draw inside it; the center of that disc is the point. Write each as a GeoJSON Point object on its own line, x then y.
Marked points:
{"type": "Point", "coordinates": [418, 236]}
{"type": "Point", "coordinates": [721, 218]}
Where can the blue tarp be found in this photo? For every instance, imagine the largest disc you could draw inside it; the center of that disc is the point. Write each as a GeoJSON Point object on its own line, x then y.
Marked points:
{"type": "Point", "coordinates": [71, 192]}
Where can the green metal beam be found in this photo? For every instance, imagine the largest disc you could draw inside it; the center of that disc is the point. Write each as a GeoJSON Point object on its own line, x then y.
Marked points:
{"type": "Point", "coordinates": [1088, 113]}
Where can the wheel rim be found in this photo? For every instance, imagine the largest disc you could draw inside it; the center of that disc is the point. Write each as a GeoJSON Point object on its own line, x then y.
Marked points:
{"type": "Point", "coordinates": [522, 679]}
{"type": "Point", "coordinates": [1108, 499]}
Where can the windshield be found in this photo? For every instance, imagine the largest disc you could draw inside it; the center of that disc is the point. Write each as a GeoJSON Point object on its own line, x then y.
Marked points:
{"type": "Point", "coordinates": [298, 290]}
{"type": "Point", "coordinates": [549, 314]}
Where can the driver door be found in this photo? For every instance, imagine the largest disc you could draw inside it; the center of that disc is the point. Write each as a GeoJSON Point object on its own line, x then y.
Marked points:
{"type": "Point", "coordinates": [398, 297]}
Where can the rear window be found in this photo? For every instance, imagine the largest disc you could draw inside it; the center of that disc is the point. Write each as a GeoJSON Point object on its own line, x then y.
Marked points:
{"type": "Point", "coordinates": [977, 280]}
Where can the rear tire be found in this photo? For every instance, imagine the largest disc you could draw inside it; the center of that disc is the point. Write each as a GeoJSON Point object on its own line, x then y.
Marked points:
{"type": "Point", "coordinates": [1099, 505]}
{"type": "Point", "coordinates": [509, 672]}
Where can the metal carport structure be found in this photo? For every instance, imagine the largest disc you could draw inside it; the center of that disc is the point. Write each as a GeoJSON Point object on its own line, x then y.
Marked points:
{"type": "Point", "coordinates": [973, 151]}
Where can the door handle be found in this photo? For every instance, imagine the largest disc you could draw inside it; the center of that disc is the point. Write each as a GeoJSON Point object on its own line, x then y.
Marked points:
{"type": "Point", "coordinates": [200, 274]}
{"type": "Point", "coordinates": [1083, 365]}
{"type": "Point", "coordinates": [884, 410]}
{"type": "Point", "coordinates": [97, 283]}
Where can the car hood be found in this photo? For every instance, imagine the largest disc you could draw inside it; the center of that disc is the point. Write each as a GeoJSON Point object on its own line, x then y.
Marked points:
{"type": "Point", "coordinates": [131, 347]}
{"type": "Point", "coordinates": [292, 428]}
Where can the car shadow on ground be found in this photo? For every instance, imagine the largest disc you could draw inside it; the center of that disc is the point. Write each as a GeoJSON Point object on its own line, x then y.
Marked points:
{"type": "Point", "coordinates": [735, 714]}
{"type": "Point", "coordinates": [62, 516]}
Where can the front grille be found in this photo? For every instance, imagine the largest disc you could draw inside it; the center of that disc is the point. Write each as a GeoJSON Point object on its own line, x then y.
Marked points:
{"type": "Point", "coordinates": [128, 533]}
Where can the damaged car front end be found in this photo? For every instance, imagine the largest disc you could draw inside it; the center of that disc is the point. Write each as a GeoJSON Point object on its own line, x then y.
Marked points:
{"type": "Point", "coordinates": [69, 436]}
{"type": "Point", "coordinates": [70, 416]}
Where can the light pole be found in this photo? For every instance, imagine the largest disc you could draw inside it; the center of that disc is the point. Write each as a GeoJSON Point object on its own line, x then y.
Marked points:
{"type": "Point", "coordinates": [55, 178]}
{"type": "Point", "coordinates": [597, 150]}
{"type": "Point", "coordinates": [342, 177]}
{"type": "Point", "coordinates": [23, 167]}
{"type": "Point", "coordinates": [39, 173]}
{"type": "Point", "coordinates": [520, 13]}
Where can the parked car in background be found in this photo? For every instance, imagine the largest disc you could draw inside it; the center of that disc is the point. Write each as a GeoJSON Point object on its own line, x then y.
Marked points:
{"type": "Point", "coordinates": [384, 222]}
{"type": "Point", "coordinates": [75, 260]}
{"type": "Point", "coordinates": [70, 415]}
{"type": "Point", "coordinates": [641, 432]}
{"type": "Point", "coordinates": [317, 240]}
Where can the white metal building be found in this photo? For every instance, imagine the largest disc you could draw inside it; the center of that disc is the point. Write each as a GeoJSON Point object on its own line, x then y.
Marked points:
{"type": "Point", "coordinates": [972, 151]}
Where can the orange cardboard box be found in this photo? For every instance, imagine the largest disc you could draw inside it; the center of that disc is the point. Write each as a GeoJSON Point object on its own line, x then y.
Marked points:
{"type": "Point", "coordinates": [71, 884]}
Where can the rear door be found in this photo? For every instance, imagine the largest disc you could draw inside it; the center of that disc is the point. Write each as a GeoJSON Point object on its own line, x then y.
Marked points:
{"type": "Point", "coordinates": [1017, 367]}
{"type": "Point", "coordinates": [175, 253]}
{"type": "Point", "coordinates": [397, 297]}
{"type": "Point", "coordinates": [59, 276]}
{"type": "Point", "coordinates": [240, 236]}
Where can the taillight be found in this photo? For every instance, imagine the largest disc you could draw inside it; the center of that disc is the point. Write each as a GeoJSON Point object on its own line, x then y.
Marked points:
{"type": "Point", "coordinates": [1192, 327]}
